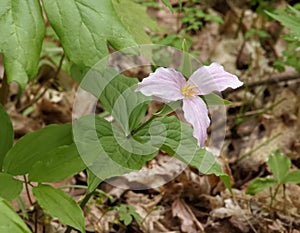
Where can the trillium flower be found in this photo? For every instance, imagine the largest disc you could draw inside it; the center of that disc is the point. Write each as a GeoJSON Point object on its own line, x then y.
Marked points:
{"type": "Point", "coordinates": [168, 85]}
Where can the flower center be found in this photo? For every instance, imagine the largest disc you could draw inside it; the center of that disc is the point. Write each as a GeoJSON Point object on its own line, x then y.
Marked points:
{"type": "Point", "coordinates": [189, 91]}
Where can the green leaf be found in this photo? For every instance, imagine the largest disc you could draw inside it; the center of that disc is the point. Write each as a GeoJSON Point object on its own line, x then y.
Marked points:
{"type": "Point", "coordinates": [11, 187]}
{"type": "Point", "coordinates": [259, 185]}
{"type": "Point", "coordinates": [10, 220]}
{"type": "Point", "coordinates": [186, 66]}
{"type": "Point", "coordinates": [22, 30]}
{"type": "Point", "coordinates": [58, 164]}
{"type": "Point", "coordinates": [215, 100]}
{"type": "Point", "coordinates": [86, 26]}
{"type": "Point", "coordinates": [6, 134]}
{"type": "Point", "coordinates": [93, 181]}
{"type": "Point", "coordinates": [279, 165]}
{"type": "Point", "coordinates": [292, 177]}
{"type": "Point", "coordinates": [117, 95]}
{"type": "Point", "coordinates": [137, 217]}
{"type": "Point", "coordinates": [168, 4]}
{"type": "Point", "coordinates": [290, 18]}
{"type": "Point", "coordinates": [33, 147]}
{"type": "Point", "coordinates": [125, 216]}
{"type": "Point", "coordinates": [176, 138]}
{"type": "Point", "coordinates": [129, 13]}
{"type": "Point", "coordinates": [168, 108]}
{"type": "Point", "coordinates": [58, 204]}
{"type": "Point", "coordinates": [107, 150]}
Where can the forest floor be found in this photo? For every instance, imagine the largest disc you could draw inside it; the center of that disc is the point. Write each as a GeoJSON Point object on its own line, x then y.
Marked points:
{"type": "Point", "coordinates": [264, 117]}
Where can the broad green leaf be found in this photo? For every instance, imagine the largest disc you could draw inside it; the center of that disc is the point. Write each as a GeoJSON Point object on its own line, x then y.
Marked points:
{"type": "Point", "coordinates": [10, 220]}
{"type": "Point", "coordinates": [279, 165]}
{"type": "Point", "coordinates": [129, 13]}
{"type": "Point", "coordinates": [259, 185]}
{"type": "Point", "coordinates": [59, 204]}
{"type": "Point", "coordinates": [176, 138]}
{"type": "Point", "coordinates": [10, 187]}
{"type": "Point", "coordinates": [214, 100]}
{"type": "Point", "coordinates": [107, 150]}
{"type": "Point", "coordinates": [6, 134]}
{"type": "Point", "coordinates": [117, 95]}
{"type": "Point", "coordinates": [93, 181]}
{"type": "Point", "coordinates": [32, 148]}
{"type": "Point", "coordinates": [86, 26]}
{"type": "Point", "coordinates": [292, 177]}
{"type": "Point", "coordinates": [58, 164]}
{"type": "Point", "coordinates": [22, 30]}
{"type": "Point", "coordinates": [290, 18]}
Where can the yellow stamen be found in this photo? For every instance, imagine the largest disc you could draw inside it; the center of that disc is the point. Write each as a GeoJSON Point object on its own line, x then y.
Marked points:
{"type": "Point", "coordinates": [189, 91]}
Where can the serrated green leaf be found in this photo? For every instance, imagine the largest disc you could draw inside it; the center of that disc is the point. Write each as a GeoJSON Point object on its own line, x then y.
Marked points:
{"type": "Point", "coordinates": [117, 95]}
{"type": "Point", "coordinates": [259, 185]}
{"type": "Point", "coordinates": [10, 187]}
{"type": "Point", "coordinates": [279, 165]}
{"type": "Point", "coordinates": [289, 19]}
{"type": "Point", "coordinates": [58, 204]}
{"type": "Point", "coordinates": [86, 26]}
{"type": "Point", "coordinates": [292, 177]}
{"type": "Point", "coordinates": [6, 134]}
{"type": "Point", "coordinates": [107, 150]}
{"type": "Point", "coordinates": [10, 220]}
{"type": "Point", "coordinates": [32, 148]}
{"type": "Point", "coordinates": [58, 164]}
{"type": "Point", "coordinates": [22, 30]}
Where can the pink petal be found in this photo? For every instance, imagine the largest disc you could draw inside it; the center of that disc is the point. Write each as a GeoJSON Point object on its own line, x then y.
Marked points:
{"type": "Point", "coordinates": [164, 84]}
{"type": "Point", "coordinates": [213, 78]}
{"type": "Point", "coordinates": [196, 113]}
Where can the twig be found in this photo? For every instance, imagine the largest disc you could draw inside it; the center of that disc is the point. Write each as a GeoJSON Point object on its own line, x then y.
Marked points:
{"type": "Point", "coordinates": [27, 190]}
{"type": "Point", "coordinates": [257, 148]}
{"type": "Point", "coordinates": [273, 80]}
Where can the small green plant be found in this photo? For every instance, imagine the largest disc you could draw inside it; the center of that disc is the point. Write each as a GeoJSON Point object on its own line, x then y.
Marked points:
{"type": "Point", "coordinates": [279, 165]}
{"type": "Point", "coordinates": [127, 214]}
{"type": "Point", "coordinates": [194, 18]}
{"type": "Point", "coordinates": [290, 18]}
{"type": "Point", "coordinates": [256, 32]}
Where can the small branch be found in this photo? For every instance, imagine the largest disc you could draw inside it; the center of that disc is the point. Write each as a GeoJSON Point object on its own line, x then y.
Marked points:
{"type": "Point", "coordinates": [27, 190]}
{"type": "Point", "coordinates": [273, 80]}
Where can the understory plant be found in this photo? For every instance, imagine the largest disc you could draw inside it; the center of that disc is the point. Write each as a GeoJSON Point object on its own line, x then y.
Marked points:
{"type": "Point", "coordinates": [101, 148]}
{"type": "Point", "coordinates": [279, 166]}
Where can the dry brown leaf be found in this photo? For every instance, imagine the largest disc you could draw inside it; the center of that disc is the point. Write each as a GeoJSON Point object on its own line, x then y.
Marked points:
{"type": "Point", "coordinates": [189, 223]}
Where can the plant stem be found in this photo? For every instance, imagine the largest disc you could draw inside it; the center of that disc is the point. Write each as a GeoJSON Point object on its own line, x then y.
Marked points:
{"type": "Point", "coordinates": [274, 195]}
{"type": "Point", "coordinates": [143, 125]}
{"type": "Point", "coordinates": [27, 190]}
{"type": "Point", "coordinates": [4, 90]}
